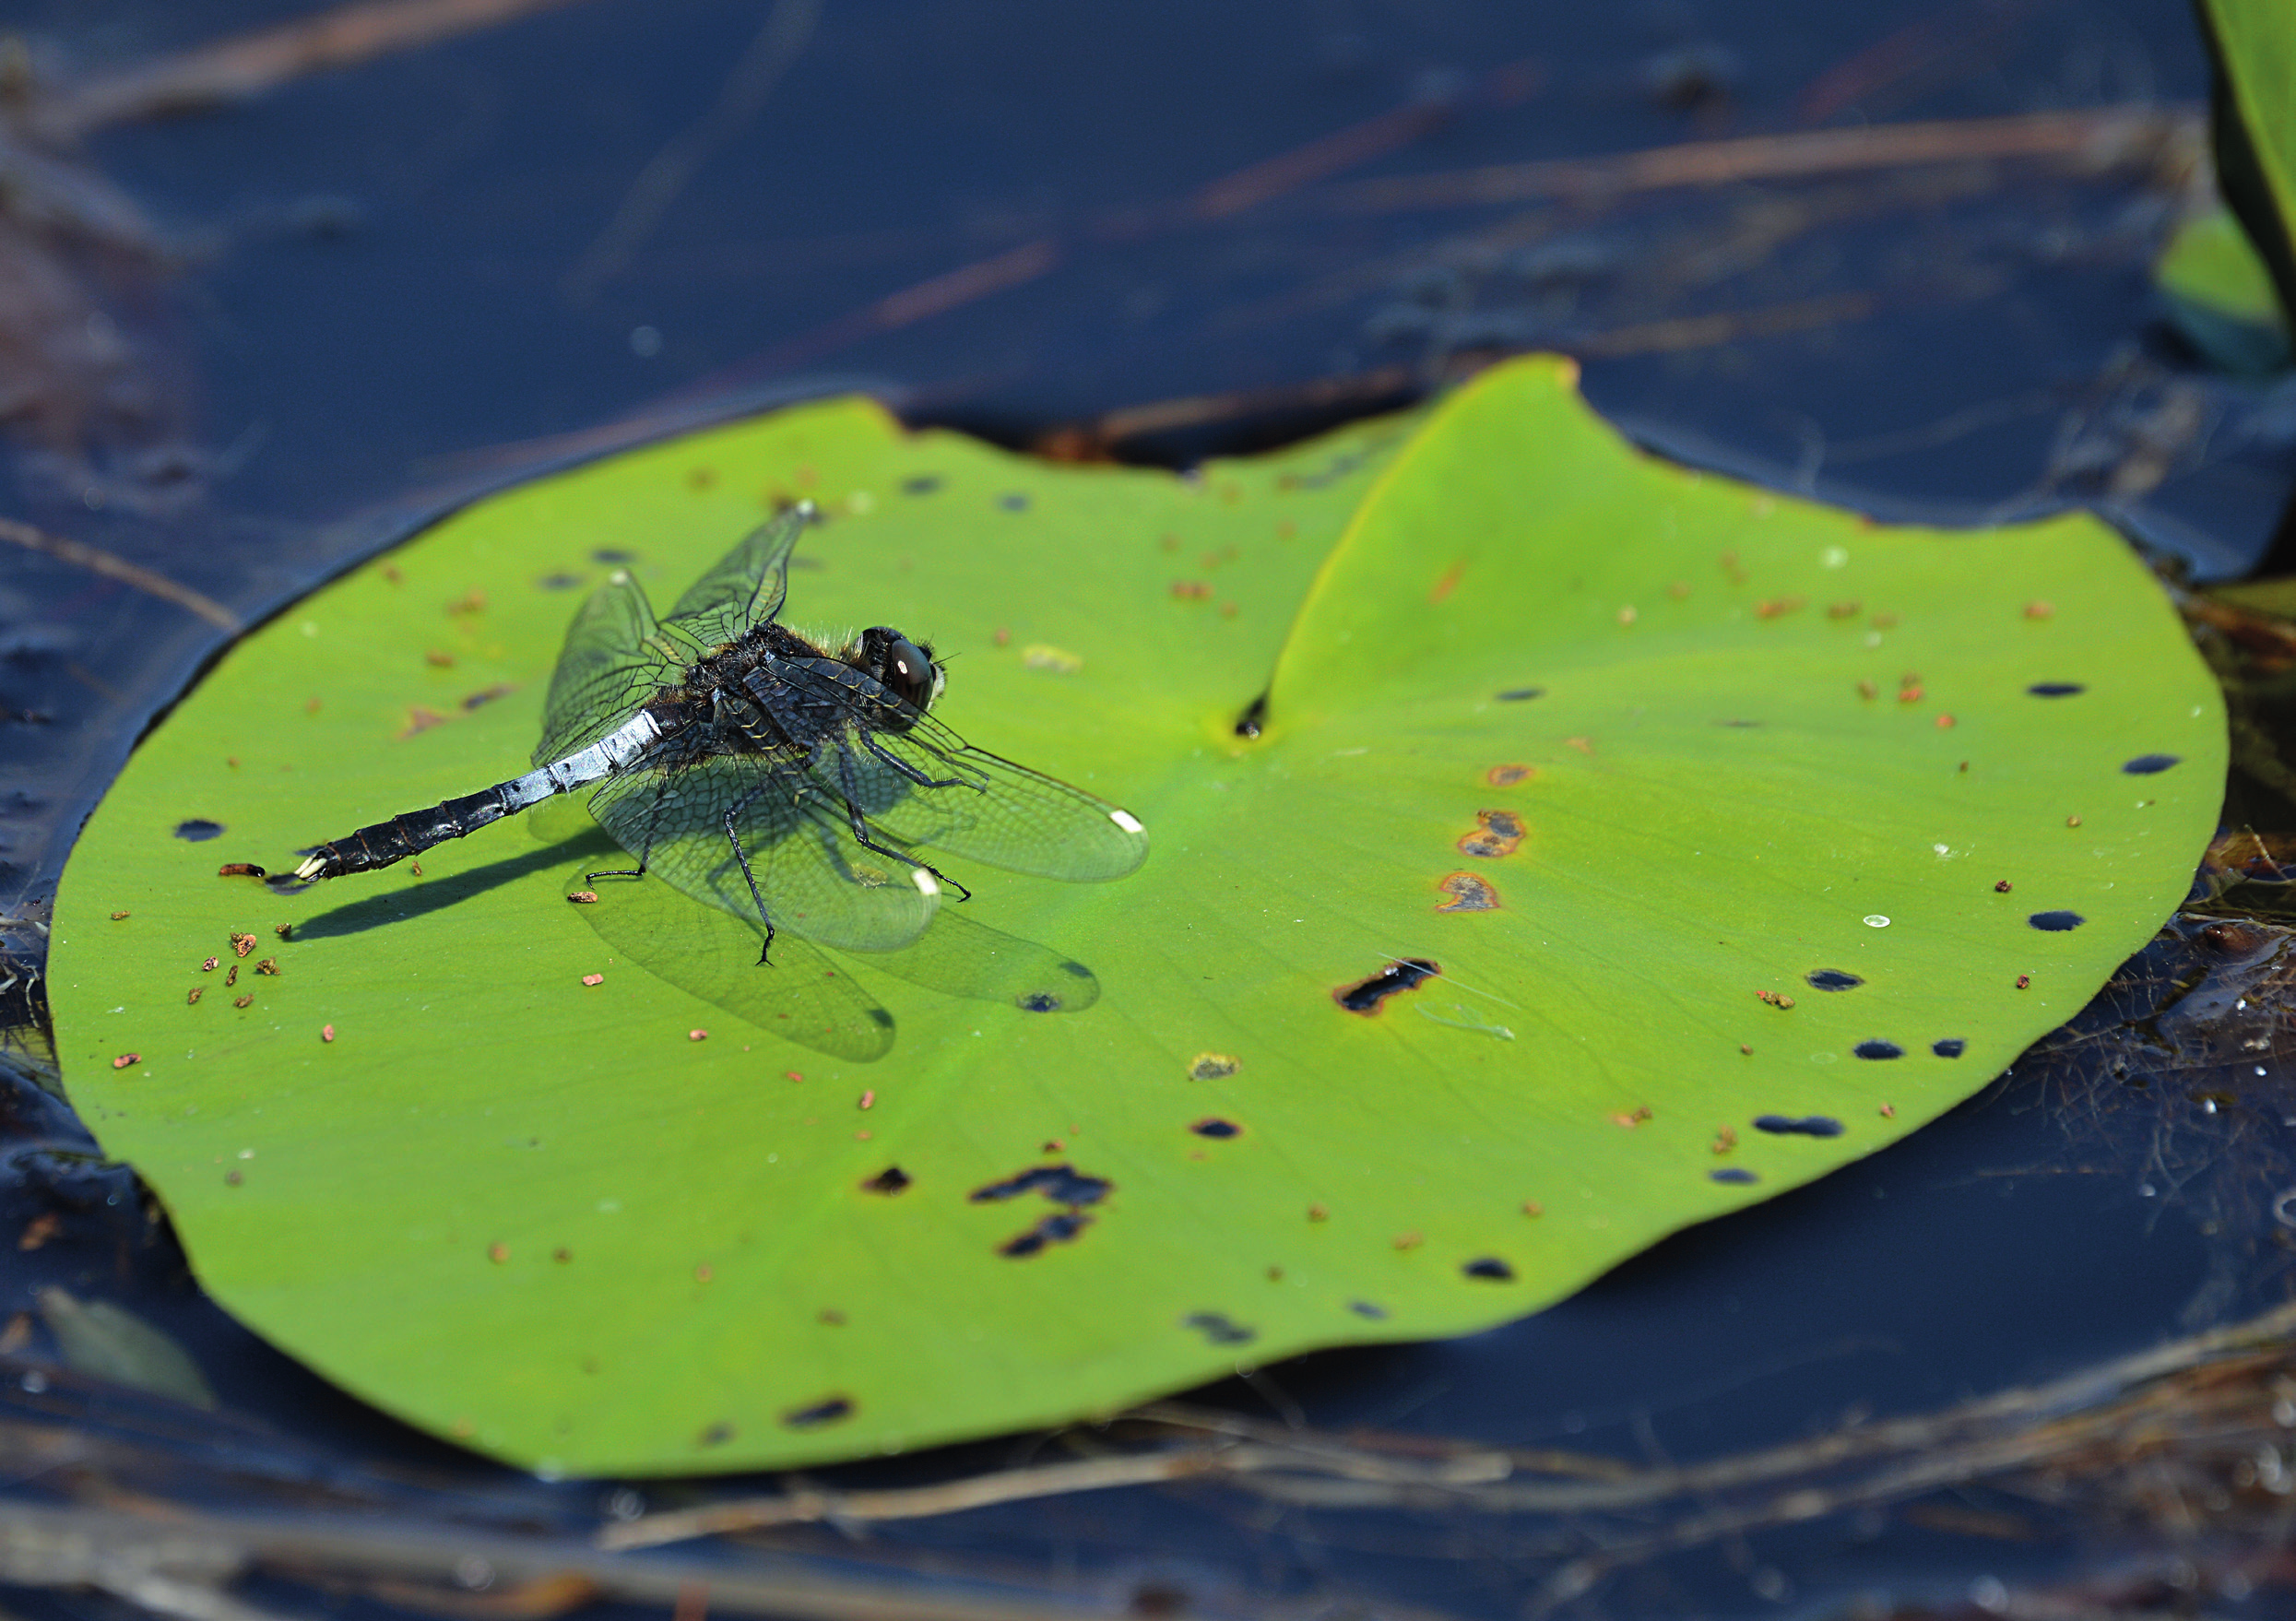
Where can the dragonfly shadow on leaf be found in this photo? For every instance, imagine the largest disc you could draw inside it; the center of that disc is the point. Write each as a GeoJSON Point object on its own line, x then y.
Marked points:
{"type": "Point", "coordinates": [438, 894]}
{"type": "Point", "coordinates": [709, 953]}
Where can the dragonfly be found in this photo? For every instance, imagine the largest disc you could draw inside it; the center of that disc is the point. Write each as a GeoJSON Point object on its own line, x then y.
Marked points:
{"type": "Point", "coordinates": [774, 774]}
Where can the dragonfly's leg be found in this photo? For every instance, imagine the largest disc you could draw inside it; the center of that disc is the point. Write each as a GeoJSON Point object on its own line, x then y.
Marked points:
{"type": "Point", "coordinates": [915, 775]}
{"type": "Point", "coordinates": [765, 954]}
{"type": "Point", "coordinates": [861, 830]}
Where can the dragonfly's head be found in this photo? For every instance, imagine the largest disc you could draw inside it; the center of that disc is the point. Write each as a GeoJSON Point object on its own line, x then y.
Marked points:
{"type": "Point", "coordinates": [906, 668]}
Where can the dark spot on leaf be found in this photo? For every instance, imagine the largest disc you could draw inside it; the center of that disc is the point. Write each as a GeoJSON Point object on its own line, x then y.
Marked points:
{"type": "Point", "coordinates": [1037, 1002]}
{"type": "Point", "coordinates": [486, 695]}
{"type": "Point", "coordinates": [1498, 832]}
{"type": "Point", "coordinates": [1468, 894]}
{"type": "Point", "coordinates": [1058, 1183]}
{"type": "Point", "coordinates": [560, 581]}
{"type": "Point", "coordinates": [827, 1411]}
{"type": "Point", "coordinates": [922, 484]}
{"type": "Point", "coordinates": [2056, 922]}
{"type": "Point", "coordinates": [1878, 1050]}
{"type": "Point", "coordinates": [1218, 1329]}
{"type": "Point", "coordinates": [1215, 1127]}
{"type": "Point", "coordinates": [1255, 715]}
{"type": "Point", "coordinates": [1490, 1269]}
{"type": "Point", "coordinates": [1364, 1308]}
{"type": "Point", "coordinates": [2146, 764]}
{"type": "Point", "coordinates": [1517, 694]}
{"type": "Point", "coordinates": [718, 1435]}
{"type": "Point", "coordinates": [612, 555]}
{"type": "Point", "coordinates": [1732, 1174]}
{"type": "Point", "coordinates": [1951, 1048]}
{"type": "Point", "coordinates": [2055, 689]}
{"type": "Point", "coordinates": [1015, 501]}
{"type": "Point", "coordinates": [1213, 1066]}
{"type": "Point", "coordinates": [1808, 1126]}
{"type": "Point", "coordinates": [892, 1179]}
{"type": "Point", "coordinates": [1053, 1229]}
{"type": "Point", "coordinates": [1403, 973]}
{"type": "Point", "coordinates": [1833, 979]}
{"type": "Point", "coordinates": [199, 830]}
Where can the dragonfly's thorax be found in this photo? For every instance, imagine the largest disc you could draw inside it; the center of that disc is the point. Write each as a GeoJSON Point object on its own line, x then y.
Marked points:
{"type": "Point", "coordinates": [776, 690]}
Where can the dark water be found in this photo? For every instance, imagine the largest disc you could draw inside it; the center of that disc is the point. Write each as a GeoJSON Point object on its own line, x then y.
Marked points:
{"type": "Point", "coordinates": [378, 289]}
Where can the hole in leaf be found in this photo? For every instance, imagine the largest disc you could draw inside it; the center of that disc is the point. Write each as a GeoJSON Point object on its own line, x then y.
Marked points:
{"type": "Point", "coordinates": [1215, 1127]}
{"type": "Point", "coordinates": [1833, 979]}
{"type": "Point", "coordinates": [2056, 922]}
{"type": "Point", "coordinates": [1490, 1269]}
{"type": "Point", "coordinates": [827, 1411]}
{"type": "Point", "coordinates": [1218, 1329]}
{"type": "Point", "coordinates": [1951, 1048]}
{"type": "Point", "coordinates": [199, 830]}
{"type": "Point", "coordinates": [2146, 764]}
{"type": "Point", "coordinates": [1878, 1050]}
{"type": "Point", "coordinates": [1060, 1184]}
{"type": "Point", "coordinates": [2055, 689]}
{"type": "Point", "coordinates": [1808, 1126]}
{"type": "Point", "coordinates": [1405, 973]}
{"type": "Point", "coordinates": [892, 1179]}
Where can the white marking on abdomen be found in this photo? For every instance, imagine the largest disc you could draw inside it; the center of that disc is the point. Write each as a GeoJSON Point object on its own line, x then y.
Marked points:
{"type": "Point", "coordinates": [603, 758]}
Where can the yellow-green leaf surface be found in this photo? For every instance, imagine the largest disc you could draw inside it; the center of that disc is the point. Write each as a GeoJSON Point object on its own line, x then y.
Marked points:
{"type": "Point", "coordinates": [2253, 45]}
{"type": "Point", "coordinates": [1744, 836]}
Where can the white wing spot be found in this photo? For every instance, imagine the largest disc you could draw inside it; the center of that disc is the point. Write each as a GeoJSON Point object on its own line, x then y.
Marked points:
{"type": "Point", "coordinates": [1127, 821]}
{"type": "Point", "coordinates": [1876, 921]}
{"type": "Point", "coordinates": [924, 882]}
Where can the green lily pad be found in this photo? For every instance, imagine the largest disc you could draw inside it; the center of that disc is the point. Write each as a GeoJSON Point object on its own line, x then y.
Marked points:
{"type": "Point", "coordinates": [1618, 845]}
{"type": "Point", "coordinates": [2253, 46]}
{"type": "Point", "coordinates": [2219, 294]}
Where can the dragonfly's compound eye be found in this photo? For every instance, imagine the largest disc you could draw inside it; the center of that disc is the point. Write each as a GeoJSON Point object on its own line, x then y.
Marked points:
{"type": "Point", "coordinates": [909, 672]}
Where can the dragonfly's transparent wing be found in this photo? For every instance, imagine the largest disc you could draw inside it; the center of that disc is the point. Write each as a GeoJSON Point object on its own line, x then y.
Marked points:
{"type": "Point", "coordinates": [815, 880]}
{"type": "Point", "coordinates": [927, 786]}
{"type": "Point", "coordinates": [612, 662]}
{"type": "Point", "coordinates": [747, 585]}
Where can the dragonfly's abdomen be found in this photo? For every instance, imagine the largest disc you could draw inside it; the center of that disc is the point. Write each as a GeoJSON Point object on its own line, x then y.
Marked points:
{"type": "Point", "coordinates": [410, 833]}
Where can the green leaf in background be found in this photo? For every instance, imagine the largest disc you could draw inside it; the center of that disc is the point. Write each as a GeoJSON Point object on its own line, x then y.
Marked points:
{"type": "Point", "coordinates": [2252, 44]}
{"type": "Point", "coordinates": [2219, 294]}
{"type": "Point", "coordinates": [1619, 846]}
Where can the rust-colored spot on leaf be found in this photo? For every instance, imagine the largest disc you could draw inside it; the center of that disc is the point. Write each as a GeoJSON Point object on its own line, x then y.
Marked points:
{"type": "Point", "coordinates": [242, 944]}
{"type": "Point", "coordinates": [1408, 1241]}
{"type": "Point", "coordinates": [1532, 1207]}
{"type": "Point", "coordinates": [234, 869]}
{"type": "Point", "coordinates": [2072, 822]}
{"type": "Point", "coordinates": [1498, 832]}
{"type": "Point", "coordinates": [1192, 590]}
{"type": "Point", "coordinates": [230, 974]}
{"type": "Point", "coordinates": [269, 965]}
{"type": "Point", "coordinates": [125, 1059]}
{"type": "Point", "coordinates": [1507, 776]}
{"type": "Point", "coordinates": [1910, 695]}
{"type": "Point", "coordinates": [2040, 609]}
{"type": "Point", "coordinates": [498, 1253]}
{"type": "Point", "coordinates": [284, 930]}
{"type": "Point", "coordinates": [584, 897]}
{"type": "Point", "coordinates": [2002, 888]}
{"type": "Point", "coordinates": [1584, 745]}
{"type": "Point", "coordinates": [1845, 609]}
{"type": "Point", "coordinates": [191, 998]}
{"type": "Point", "coordinates": [1447, 584]}
{"type": "Point", "coordinates": [210, 965]}
{"type": "Point", "coordinates": [1213, 1066]}
{"type": "Point", "coordinates": [1468, 892]}
{"type": "Point", "coordinates": [327, 1032]}
{"type": "Point", "coordinates": [419, 719]}
{"type": "Point", "coordinates": [439, 658]}
{"type": "Point", "coordinates": [1726, 1139]}
{"type": "Point", "coordinates": [594, 979]}
{"type": "Point", "coordinates": [2024, 981]}
{"type": "Point", "coordinates": [243, 1001]}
